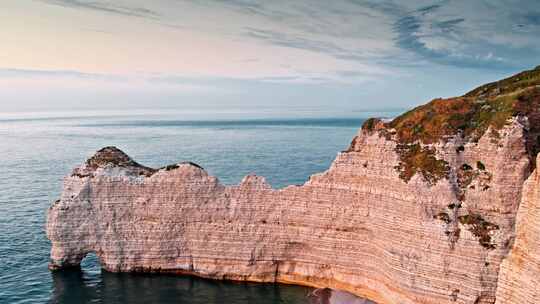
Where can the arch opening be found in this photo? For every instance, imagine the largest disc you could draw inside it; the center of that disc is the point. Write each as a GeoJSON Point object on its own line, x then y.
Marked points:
{"type": "Point", "coordinates": [90, 264]}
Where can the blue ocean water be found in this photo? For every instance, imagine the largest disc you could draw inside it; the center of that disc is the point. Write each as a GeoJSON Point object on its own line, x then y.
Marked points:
{"type": "Point", "coordinates": [38, 149]}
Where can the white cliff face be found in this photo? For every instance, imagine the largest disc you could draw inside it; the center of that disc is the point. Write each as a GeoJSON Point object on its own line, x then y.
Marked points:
{"type": "Point", "coordinates": [357, 227]}
{"type": "Point", "coordinates": [519, 279]}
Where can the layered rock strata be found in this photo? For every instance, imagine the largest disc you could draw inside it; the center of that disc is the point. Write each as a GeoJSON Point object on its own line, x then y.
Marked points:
{"type": "Point", "coordinates": [418, 210]}
{"type": "Point", "coordinates": [519, 278]}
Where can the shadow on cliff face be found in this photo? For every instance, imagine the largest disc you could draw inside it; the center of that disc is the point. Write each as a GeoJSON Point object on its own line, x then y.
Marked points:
{"type": "Point", "coordinates": [91, 285]}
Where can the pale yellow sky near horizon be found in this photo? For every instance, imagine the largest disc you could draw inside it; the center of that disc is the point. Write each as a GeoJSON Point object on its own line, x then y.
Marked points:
{"type": "Point", "coordinates": [341, 53]}
{"type": "Point", "coordinates": [42, 36]}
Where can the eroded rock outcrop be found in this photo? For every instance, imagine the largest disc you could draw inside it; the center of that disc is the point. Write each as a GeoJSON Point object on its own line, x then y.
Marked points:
{"type": "Point", "coordinates": [418, 210]}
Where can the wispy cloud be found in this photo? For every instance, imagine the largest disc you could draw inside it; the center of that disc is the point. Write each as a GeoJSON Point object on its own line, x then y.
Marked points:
{"type": "Point", "coordinates": [299, 42]}
{"type": "Point", "coordinates": [470, 34]}
{"type": "Point", "coordinates": [112, 8]}
{"type": "Point", "coordinates": [453, 33]}
{"type": "Point", "coordinates": [372, 36]}
{"type": "Point", "coordinates": [196, 82]}
{"type": "Point", "coordinates": [30, 73]}
{"type": "Point", "coordinates": [13, 78]}
{"type": "Point", "coordinates": [331, 77]}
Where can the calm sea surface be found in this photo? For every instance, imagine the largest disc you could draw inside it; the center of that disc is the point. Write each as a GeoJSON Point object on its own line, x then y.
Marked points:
{"type": "Point", "coordinates": [37, 150]}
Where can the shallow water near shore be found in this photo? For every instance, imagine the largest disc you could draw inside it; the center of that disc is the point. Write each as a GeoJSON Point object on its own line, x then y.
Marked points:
{"type": "Point", "coordinates": [37, 150]}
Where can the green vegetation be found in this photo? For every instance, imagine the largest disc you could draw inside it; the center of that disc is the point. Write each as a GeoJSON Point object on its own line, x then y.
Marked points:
{"type": "Point", "coordinates": [443, 118]}
{"type": "Point", "coordinates": [192, 164]}
{"type": "Point", "coordinates": [370, 124]}
{"type": "Point", "coordinates": [469, 116]}
{"type": "Point", "coordinates": [466, 167]}
{"type": "Point", "coordinates": [480, 166]}
{"type": "Point", "coordinates": [480, 228]}
{"type": "Point", "coordinates": [415, 158]}
{"type": "Point", "coordinates": [465, 176]}
{"type": "Point", "coordinates": [176, 166]}
{"type": "Point", "coordinates": [111, 155]}
{"type": "Point", "coordinates": [443, 216]}
{"type": "Point", "coordinates": [79, 175]}
{"type": "Point", "coordinates": [454, 205]}
{"type": "Point", "coordinates": [512, 84]}
{"type": "Point", "coordinates": [171, 167]}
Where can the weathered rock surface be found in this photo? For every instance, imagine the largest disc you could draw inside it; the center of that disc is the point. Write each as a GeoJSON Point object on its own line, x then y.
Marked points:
{"type": "Point", "coordinates": [519, 279]}
{"type": "Point", "coordinates": [400, 217]}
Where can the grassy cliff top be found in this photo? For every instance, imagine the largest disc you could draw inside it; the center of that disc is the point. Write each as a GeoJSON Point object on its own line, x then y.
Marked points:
{"type": "Point", "coordinates": [470, 116]}
{"type": "Point", "coordinates": [473, 113]}
{"type": "Point", "coordinates": [511, 84]}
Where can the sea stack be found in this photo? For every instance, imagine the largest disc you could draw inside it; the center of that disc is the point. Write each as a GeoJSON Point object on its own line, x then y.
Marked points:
{"type": "Point", "coordinates": [440, 205]}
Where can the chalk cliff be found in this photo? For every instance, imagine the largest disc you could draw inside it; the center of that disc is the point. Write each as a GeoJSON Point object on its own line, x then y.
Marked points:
{"type": "Point", "coordinates": [519, 278]}
{"type": "Point", "coordinates": [421, 209]}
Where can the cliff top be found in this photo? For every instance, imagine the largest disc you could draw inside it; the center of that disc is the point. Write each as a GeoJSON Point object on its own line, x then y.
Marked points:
{"type": "Point", "coordinates": [511, 84]}
{"type": "Point", "coordinates": [473, 113]}
{"type": "Point", "coordinates": [488, 107]}
{"type": "Point", "coordinates": [111, 155]}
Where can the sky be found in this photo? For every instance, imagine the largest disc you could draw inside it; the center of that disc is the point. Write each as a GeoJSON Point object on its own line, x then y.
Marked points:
{"type": "Point", "coordinates": [257, 54]}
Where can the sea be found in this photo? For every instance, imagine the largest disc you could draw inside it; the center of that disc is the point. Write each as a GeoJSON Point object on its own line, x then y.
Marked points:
{"type": "Point", "coordinates": [38, 149]}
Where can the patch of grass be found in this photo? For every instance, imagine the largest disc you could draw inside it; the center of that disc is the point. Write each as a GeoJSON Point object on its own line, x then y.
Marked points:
{"type": "Point", "coordinates": [433, 121]}
{"type": "Point", "coordinates": [471, 115]}
{"type": "Point", "coordinates": [444, 118]}
{"type": "Point", "coordinates": [171, 167]}
{"type": "Point", "coordinates": [79, 175]}
{"type": "Point", "coordinates": [370, 124]}
{"type": "Point", "coordinates": [511, 84]}
{"type": "Point", "coordinates": [452, 206]}
{"type": "Point", "coordinates": [480, 166]}
{"type": "Point", "coordinates": [488, 107]}
{"type": "Point", "coordinates": [176, 166]}
{"type": "Point", "coordinates": [443, 216]}
{"type": "Point", "coordinates": [192, 164]}
{"type": "Point", "coordinates": [417, 159]}
{"type": "Point", "coordinates": [466, 167]}
{"type": "Point", "coordinates": [480, 228]}
{"type": "Point", "coordinates": [112, 156]}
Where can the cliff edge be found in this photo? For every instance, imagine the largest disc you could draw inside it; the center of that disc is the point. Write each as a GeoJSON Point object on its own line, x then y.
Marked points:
{"type": "Point", "coordinates": [421, 209]}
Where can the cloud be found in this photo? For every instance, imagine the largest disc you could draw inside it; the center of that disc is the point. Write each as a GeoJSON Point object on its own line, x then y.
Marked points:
{"type": "Point", "coordinates": [468, 34]}
{"type": "Point", "coordinates": [495, 35]}
{"type": "Point", "coordinates": [373, 36]}
{"type": "Point", "coordinates": [106, 7]}
{"type": "Point", "coordinates": [29, 73]}
{"type": "Point", "coordinates": [314, 25]}
{"type": "Point", "coordinates": [298, 42]}
{"type": "Point", "coordinates": [428, 9]}
{"type": "Point", "coordinates": [399, 34]}
{"type": "Point", "coordinates": [171, 80]}
{"type": "Point", "coordinates": [70, 79]}
{"type": "Point", "coordinates": [255, 8]}
{"type": "Point", "coordinates": [330, 77]}
{"type": "Point", "coordinates": [412, 36]}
